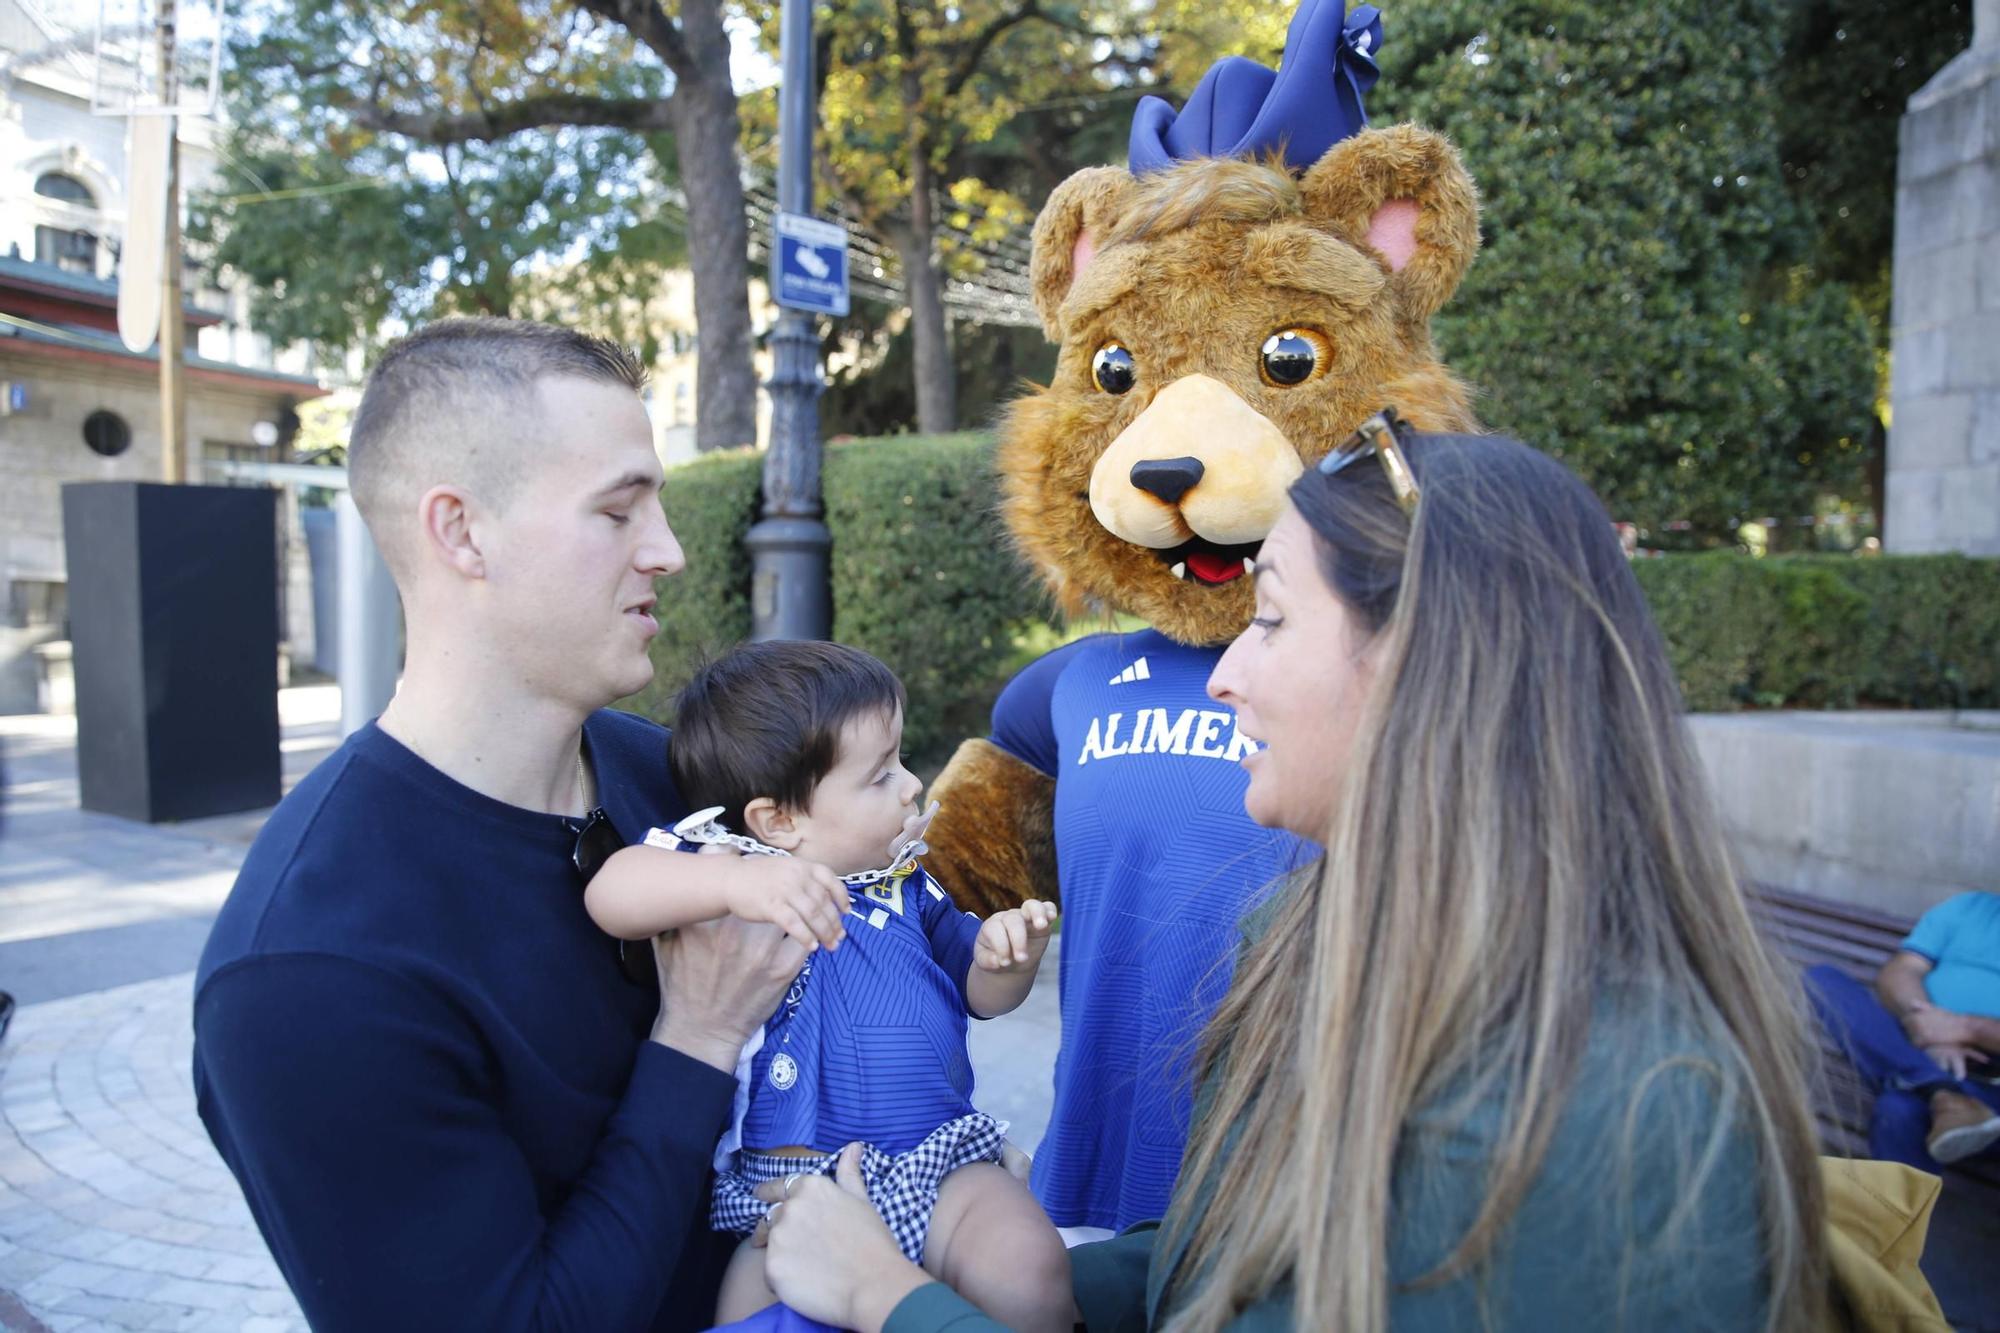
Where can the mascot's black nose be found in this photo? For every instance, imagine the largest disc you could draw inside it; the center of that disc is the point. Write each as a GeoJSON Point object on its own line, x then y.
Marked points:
{"type": "Point", "coordinates": [1168, 478]}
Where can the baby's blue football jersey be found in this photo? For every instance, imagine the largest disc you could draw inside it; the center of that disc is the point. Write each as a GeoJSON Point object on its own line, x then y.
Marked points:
{"type": "Point", "coordinates": [870, 1043]}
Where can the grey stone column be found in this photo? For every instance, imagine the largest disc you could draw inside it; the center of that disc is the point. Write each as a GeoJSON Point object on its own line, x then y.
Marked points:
{"type": "Point", "coordinates": [1944, 440]}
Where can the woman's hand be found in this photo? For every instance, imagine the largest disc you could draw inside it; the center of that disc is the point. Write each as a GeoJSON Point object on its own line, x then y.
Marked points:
{"type": "Point", "coordinates": [830, 1256]}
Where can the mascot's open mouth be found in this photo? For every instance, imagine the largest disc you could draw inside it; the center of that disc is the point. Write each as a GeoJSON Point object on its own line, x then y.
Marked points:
{"type": "Point", "coordinates": [1201, 561]}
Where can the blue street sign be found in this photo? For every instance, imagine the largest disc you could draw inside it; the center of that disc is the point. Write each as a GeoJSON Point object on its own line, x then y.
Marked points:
{"type": "Point", "coordinates": [809, 264]}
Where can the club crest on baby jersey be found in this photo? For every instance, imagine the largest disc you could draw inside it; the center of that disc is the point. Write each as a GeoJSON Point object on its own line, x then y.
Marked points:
{"type": "Point", "coordinates": [784, 1072]}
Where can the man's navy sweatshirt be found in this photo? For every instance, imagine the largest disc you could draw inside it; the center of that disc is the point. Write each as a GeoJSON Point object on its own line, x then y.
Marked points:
{"type": "Point", "coordinates": [420, 1059]}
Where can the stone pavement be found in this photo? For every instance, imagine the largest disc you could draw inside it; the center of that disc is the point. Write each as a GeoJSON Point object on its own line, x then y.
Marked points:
{"type": "Point", "coordinates": [115, 1212]}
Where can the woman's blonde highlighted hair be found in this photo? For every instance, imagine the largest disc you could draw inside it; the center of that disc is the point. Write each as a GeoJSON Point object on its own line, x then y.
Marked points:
{"type": "Point", "coordinates": [1522, 823]}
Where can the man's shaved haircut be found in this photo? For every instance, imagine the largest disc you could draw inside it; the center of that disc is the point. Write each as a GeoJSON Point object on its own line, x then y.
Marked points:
{"type": "Point", "coordinates": [455, 403]}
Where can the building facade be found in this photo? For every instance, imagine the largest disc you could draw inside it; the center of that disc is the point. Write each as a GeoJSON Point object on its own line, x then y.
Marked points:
{"type": "Point", "coordinates": [75, 403]}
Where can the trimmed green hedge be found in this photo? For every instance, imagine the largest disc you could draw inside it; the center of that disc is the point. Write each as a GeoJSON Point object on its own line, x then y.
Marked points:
{"type": "Point", "coordinates": [924, 579]}
{"type": "Point", "coordinates": [1829, 631]}
{"type": "Point", "coordinates": [922, 575]}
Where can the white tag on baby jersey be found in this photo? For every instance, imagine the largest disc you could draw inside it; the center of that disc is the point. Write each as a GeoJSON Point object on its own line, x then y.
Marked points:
{"type": "Point", "coordinates": [663, 838]}
{"type": "Point", "coordinates": [878, 918]}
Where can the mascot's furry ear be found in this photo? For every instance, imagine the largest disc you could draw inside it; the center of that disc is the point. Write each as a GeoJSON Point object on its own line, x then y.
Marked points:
{"type": "Point", "coordinates": [1401, 196]}
{"type": "Point", "coordinates": [1068, 233]}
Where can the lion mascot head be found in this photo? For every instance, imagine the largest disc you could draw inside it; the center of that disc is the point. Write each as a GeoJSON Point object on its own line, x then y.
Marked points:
{"type": "Point", "coordinates": [1258, 282]}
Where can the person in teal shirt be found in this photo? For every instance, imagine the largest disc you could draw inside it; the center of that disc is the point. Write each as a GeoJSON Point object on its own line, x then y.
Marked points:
{"type": "Point", "coordinates": [1511, 1054]}
{"type": "Point", "coordinates": [1927, 1036]}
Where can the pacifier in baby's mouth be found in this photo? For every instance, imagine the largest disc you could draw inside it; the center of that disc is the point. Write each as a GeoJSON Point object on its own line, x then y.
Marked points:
{"type": "Point", "coordinates": [910, 842]}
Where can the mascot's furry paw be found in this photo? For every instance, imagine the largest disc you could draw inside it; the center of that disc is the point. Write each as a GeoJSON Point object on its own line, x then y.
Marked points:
{"type": "Point", "coordinates": [993, 841]}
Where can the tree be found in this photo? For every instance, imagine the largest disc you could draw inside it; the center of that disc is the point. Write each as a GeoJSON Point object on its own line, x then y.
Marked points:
{"type": "Point", "coordinates": [909, 89]}
{"type": "Point", "coordinates": [449, 156]}
{"type": "Point", "coordinates": [1849, 69]}
{"type": "Point", "coordinates": [1647, 306]}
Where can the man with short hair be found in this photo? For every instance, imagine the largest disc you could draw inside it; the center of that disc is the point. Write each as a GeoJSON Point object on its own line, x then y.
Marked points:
{"type": "Point", "coordinates": [446, 1100]}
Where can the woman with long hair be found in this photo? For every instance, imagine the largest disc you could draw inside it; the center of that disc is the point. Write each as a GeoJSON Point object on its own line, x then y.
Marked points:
{"type": "Point", "coordinates": [1511, 1054]}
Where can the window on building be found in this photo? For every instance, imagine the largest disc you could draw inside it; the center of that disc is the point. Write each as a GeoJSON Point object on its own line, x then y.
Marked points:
{"type": "Point", "coordinates": [61, 246]}
{"type": "Point", "coordinates": [55, 185]}
{"type": "Point", "coordinates": [106, 433]}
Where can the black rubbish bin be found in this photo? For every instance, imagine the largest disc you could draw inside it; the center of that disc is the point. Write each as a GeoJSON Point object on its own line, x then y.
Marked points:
{"type": "Point", "coordinates": [173, 609]}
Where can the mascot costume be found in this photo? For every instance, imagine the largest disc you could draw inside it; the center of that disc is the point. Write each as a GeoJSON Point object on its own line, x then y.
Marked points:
{"type": "Point", "coordinates": [1257, 283]}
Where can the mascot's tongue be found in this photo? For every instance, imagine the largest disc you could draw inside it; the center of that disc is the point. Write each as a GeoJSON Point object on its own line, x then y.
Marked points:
{"type": "Point", "coordinates": [1210, 567]}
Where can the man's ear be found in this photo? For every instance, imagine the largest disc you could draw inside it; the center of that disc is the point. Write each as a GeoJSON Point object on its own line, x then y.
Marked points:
{"type": "Point", "coordinates": [446, 513]}
{"type": "Point", "coordinates": [771, 824]}
{"type": "Point", "coordinates": [1068, 231]}
{"type": "Point", "coordinates": [1402, 196]}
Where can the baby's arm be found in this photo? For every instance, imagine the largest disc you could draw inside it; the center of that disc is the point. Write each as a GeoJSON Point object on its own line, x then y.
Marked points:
{"type": "Point", "coordinates": [642, 891]}
{"type": "Point", "coordinates": [1005, 957]}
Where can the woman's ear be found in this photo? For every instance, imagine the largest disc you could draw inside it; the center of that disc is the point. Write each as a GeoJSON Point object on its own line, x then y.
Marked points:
{"type": "Point", "coordinates": [771, 824]}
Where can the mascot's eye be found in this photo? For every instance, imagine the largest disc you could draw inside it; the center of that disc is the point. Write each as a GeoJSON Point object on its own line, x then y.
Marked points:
{"type": "Point", "coordinates": [1293, 356]}
{"type": "Point", "coordinates": [1112, 368]}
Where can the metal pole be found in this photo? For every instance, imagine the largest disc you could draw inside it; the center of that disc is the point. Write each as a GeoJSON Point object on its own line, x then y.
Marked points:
{"type": "Point", "coordinates": [370, 617]}
{"type": "Point", "coordinates": [789, 597]}
{"type": "Point", "coordinates": [173, 402]}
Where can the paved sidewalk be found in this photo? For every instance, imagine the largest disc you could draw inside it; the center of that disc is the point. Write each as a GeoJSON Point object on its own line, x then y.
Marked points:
{"type": "Point", "coordinates": [115, 1212]}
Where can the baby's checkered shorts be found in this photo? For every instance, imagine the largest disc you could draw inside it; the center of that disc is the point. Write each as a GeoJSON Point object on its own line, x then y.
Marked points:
{"type": "Point", "coordinates": [903, 1189]}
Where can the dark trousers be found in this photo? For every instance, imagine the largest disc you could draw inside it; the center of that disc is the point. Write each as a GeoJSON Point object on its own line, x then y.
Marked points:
{"type": "Point", "coordinates": [1902, 1075]}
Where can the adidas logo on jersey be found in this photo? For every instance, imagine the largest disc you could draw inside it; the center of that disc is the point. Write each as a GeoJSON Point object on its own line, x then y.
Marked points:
{"type": "Point", "coordinates": [1137, 671]}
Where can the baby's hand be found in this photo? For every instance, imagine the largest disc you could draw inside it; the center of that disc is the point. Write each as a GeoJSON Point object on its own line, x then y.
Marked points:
{"type": "Point", "coordinates": [803, 898]}
{"type": "Point", "coordinates": [1014, 940]}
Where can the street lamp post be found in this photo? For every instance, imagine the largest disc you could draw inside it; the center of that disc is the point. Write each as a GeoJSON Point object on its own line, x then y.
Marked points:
{"type": "Point", "coordinates": [789, 596]}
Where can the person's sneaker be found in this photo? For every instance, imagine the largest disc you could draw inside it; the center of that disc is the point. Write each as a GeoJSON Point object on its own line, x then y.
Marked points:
{"type": "Point", "coordinates": [1961, 1126]}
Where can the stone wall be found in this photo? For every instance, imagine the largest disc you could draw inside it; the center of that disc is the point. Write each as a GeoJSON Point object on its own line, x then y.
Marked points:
{"type": "Point", "coordinates": [1890, 810]}
{"type": "Point", "coordinates": [1943, 477]}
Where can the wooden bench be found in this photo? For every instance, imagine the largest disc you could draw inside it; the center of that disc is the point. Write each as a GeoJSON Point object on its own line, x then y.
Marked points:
{"type": "Point", "coordinates": [1811, 931]}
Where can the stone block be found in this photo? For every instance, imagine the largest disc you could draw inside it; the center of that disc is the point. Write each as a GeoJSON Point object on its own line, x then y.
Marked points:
{"type": "Point", "coordinates": [1914, 498]}
{"type": "Point", "coordinates": [1924, 217]}
{"type": "Point", "coordinates": [1969, 518]}
{"type": "Point", "coordinates": [1972, 352]}
{"type": "Point", "coordinates": [1937, 287]}
{"type": "Point", "coordinates": [1931, 431]}
{"type": "Point", "coordinates": [1983, 441]}
{"type": "Point", "coordinates": [1918, 357]}
{"type": "Point", "coordinates": [1943, 135]}
{"type": "Point", "coordinates": [1880, 810]}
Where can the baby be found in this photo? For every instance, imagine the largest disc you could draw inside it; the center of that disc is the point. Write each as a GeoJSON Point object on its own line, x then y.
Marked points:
{"type": "Point", "coordinates": [799, 745]}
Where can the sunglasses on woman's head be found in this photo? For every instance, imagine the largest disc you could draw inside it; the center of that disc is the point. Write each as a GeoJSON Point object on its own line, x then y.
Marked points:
{"type": "Point", "coordinates": [1384, 436]}
{"type": "Point", "coordinates": [596, 840]}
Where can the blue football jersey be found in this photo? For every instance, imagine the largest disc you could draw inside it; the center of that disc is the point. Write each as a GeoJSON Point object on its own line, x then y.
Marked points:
{"type": "Point", "coordinates": [870, 1043]}
{"type": "Point", "coordinates": [1156, 861]}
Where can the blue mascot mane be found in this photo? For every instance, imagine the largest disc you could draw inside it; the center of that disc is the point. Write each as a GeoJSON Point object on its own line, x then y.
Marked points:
{"type": "Point", "coordinates": [1242, 109]}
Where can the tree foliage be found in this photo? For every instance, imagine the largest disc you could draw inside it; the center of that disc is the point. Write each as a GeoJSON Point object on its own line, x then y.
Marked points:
{"type": "Point", "coordinates": [396, 162]}
{"type": "Point", "coordinates": [1849, 69]}
{"type": "Point", "coordinates": [911, 91]}
{"type": "Point", "coordinates": [1648, 305]}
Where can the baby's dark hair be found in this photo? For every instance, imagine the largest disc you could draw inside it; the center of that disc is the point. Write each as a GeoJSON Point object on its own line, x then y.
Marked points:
{"type": "Point", "coordinates": [765, 720]}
